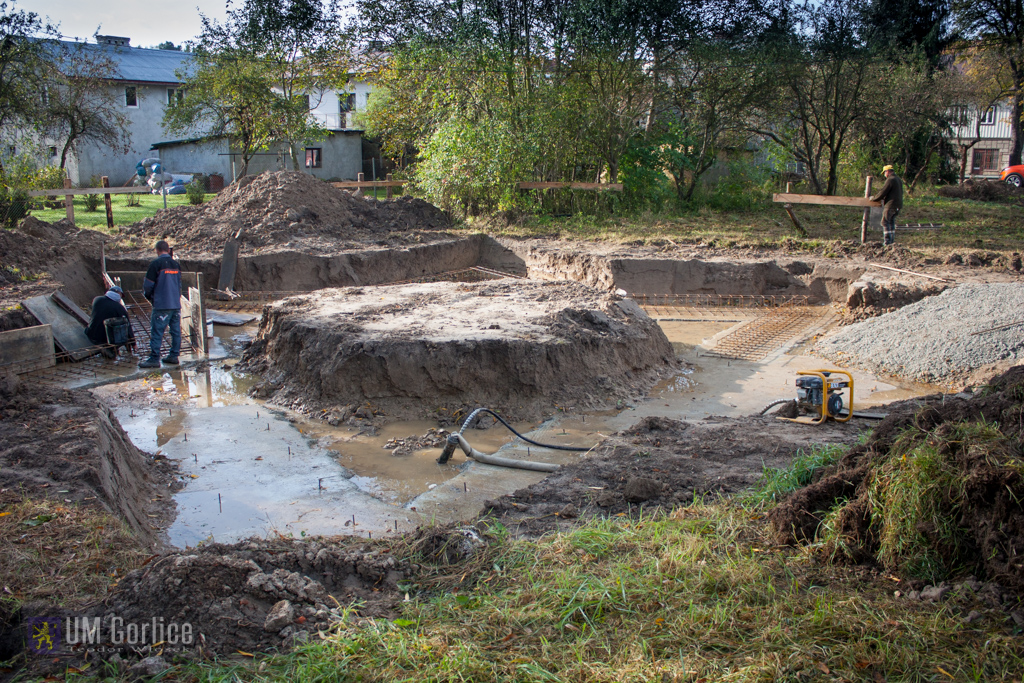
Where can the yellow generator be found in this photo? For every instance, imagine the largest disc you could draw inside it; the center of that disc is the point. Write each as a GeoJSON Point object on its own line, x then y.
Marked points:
{"type": "Point", "coordinates": [819, 394]}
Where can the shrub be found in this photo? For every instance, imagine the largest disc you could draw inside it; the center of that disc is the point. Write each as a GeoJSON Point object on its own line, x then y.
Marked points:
{"type": "Point", "coordinates": [92, 201]}
{"type": "Point", "coordinates": [196, 191]}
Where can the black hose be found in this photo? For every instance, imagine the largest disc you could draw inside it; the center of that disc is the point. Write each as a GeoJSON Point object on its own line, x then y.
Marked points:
{"type": "Point", "coordinates": [773, 404]}
{"type": "Point", "coordinates": [512, 429]}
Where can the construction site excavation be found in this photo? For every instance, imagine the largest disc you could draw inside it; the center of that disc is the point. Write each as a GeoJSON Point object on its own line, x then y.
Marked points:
{"type": "Point", "coordinates": [355, 371]}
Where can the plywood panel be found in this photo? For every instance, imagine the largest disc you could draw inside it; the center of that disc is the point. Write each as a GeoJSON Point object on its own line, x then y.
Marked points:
{"type": "Point", "coordinates": [68, 332]}
{"type": "Point", "coordinates": [27, 349]}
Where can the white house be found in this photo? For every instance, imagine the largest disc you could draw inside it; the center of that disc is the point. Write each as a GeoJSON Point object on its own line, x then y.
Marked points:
{"type": "Point", "coordinates": [991, 153]}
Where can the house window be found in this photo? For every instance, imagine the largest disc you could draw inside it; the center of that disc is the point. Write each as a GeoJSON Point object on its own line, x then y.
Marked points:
{"type": "Point", "coordinates": [985, 161]}
{"type": "Point", "coordinates": [988, 117]}
{"type": "Point", "coordinates": [367, 102]}
{"type": "Point", "coordinates": [175, 95]}
{"type": "Point", "coordinates": [346, 102]}
{"type": "Point", "coordinates": [313, 158]}
{"type": "Point", "coordinates": [53, 151]}
{"type": "Point", "coordinates": [304, 99]}
{"type": "Point", "coordinates": [12, 150]}
{"type": "Point", "coordinates": [131, 96]}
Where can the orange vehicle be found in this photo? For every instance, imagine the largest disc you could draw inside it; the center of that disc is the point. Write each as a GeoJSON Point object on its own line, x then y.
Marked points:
{"type": "Point", "coordinates": [1013, 175]}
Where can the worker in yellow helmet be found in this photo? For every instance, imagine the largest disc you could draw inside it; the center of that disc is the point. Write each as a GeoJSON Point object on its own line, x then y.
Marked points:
{"type": "Point", "coordinates": [891, 196]}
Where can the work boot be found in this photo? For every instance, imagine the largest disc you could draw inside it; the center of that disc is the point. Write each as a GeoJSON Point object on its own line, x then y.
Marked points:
{"type": "Point", "coordinates": [151, 362]}
{"type": "Point", "coordinates": [171, 360]}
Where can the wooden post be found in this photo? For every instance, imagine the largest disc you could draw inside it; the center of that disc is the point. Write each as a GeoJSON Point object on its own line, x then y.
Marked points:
{"type": "Point", "coordinates": [360, 177]}
{"type": "Point", "coordinates": [388, 178]}
{"type": "Point", "coordinates": [800, 229]}
{"type": "Point", "coordinates": [69, 202]}
{"type": "Point", "coordinates": [867, 212]}
{"type": "Point", "coordinates": [106, 202]}
{"type": "Point", "coordinates": [789, 188]}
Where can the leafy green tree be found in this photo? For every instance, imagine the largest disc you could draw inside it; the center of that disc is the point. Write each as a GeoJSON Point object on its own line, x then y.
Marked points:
{"type": "Point", "coordinates": [230, 95]}
{"type": "Point", "coordinates": [301, 49]}
{"type": "Point", "coordinates": [24, 38]}
{"type": "Point", "coordinates": [168, 45]}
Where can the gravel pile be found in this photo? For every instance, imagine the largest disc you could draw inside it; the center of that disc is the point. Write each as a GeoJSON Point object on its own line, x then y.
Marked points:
{"type": "Point", "coordinates": [933, 340]}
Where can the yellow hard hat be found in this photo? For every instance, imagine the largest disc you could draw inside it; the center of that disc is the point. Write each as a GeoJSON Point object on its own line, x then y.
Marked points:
{"type": "Point", "coordinates": [886, 168]}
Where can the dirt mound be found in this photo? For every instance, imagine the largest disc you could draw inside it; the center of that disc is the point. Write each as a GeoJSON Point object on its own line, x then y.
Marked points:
{"type": "Point", "coordinates": [261, 594]}
{"type": "Point", "coordinates": [868, 298]}
{"type": "Point", "coordinates": [936, 491]}
{"type": "Point", "coordinates": [429, 349]}
{"type": "Point", "coordinates": [285, 208]}
{"type": "Point", "coordinates": [660, 463]}
{"type": "Point", "coordinates": [67, 445]}
{"type": "Point", "coordinates": [38, 257]}
{"type": "Point", "coordinates": [984, 191]}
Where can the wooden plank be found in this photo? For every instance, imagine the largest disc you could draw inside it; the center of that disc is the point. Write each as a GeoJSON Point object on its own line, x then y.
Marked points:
{"type": "Point", "coordinates": [69, 204]}
{"type": "Point", "coordinates": [866, 221]}
{"type": "Point", "coordinates": [228, 265]}
{"type": "Point", "coordinates": [907, 272]}
{"type": "Point", "coordinates": [784, 198]}
{"type": "Point", "coordinates": [89, 190]}
{"type": "Point", "coordinates": [71, 307]}
{"type": "Point", "coordinates": [609, 187]}
{"type": "Point", "coordinates": [347, 184]}
{"type": "Point", "coordinates": [68, 333]}
{"type": "Point", "coordinates": [29, 348]}
{"type": "Point", "coordinates": [228, 318]}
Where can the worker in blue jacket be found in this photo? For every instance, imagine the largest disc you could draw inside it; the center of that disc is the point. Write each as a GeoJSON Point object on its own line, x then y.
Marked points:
{"type": "Point", "coordinates": [162, 288]}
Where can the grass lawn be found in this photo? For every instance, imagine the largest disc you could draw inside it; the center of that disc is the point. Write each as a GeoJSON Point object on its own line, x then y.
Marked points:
{"type": "Point", "coordinates": [699, 595]}
{"type": "Point", "coordinates": [148, 205]}
{"type": "Point", "coordinates": [967, 225]}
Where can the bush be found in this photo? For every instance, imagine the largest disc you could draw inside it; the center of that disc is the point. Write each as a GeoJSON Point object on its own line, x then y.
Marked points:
{"type": "Point", "coordinates": [14, 205]}
{"type": "Point", "coordinates": [196, 191]}
{"type": "Point", "coordinates": [92, 201]}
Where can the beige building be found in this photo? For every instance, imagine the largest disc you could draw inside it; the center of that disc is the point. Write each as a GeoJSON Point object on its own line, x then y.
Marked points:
{"type": "Point", "coordinates": [991, 153]}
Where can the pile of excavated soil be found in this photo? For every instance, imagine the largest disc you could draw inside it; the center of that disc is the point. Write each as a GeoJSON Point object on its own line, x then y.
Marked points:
{"type": "Point", "coordinates": [870, 297]}
{"type": "Point", "coordinates": [37, 258]}
{"type": "Point", "coordinates": [262, 594]}
{"type": "Point", "coordinates": [523, 348]}
{"type": "Point", "coordinates": [66, 445]}
{"type": "Point", "coordinates": [942, 339]}
{"type": "Point", "coordinates": [288, 209]}
{"type": "Point", "coordinates": [984, 191]}
{"type": "Point", "coordinates": [660, 463]}
{"type": "Point", "coordinates": [936, 491]}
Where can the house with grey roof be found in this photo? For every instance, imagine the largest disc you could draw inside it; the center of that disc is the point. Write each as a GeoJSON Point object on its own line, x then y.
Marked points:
{"type": "Point", "coordinates": [143, 82]}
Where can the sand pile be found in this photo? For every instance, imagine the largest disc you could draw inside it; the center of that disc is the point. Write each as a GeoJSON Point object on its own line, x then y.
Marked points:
{"type": "Point", "coordinates": [287, 208]}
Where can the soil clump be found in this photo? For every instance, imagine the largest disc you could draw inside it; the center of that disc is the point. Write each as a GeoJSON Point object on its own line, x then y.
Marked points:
{"type": "Point", "coordinates": [424, 350]}
{"type": "Point", "coordinates": [935, 492]}
{"type": "Point", "coordinates": [288, 209]}
{"type": "Point", "coordinates": [660, 463]}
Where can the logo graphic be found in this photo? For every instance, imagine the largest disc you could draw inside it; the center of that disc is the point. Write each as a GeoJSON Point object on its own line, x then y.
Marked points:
{"type": "Point", "coordinates": [43, 635]}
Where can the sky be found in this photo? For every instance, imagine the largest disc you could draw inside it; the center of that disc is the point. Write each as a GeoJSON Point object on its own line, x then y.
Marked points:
{"type": "Point", "coordinates": [146, 23]}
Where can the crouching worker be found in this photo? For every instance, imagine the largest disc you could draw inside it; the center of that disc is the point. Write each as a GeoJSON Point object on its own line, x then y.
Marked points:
{"type": "Point", "coordinates": [163, 289]}
{"type": "Point", "coordinates": [108, 323]}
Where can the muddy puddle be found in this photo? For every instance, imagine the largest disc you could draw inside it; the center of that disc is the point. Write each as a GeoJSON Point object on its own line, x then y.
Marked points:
{"type": "Point", "coordinates": [250, 469]}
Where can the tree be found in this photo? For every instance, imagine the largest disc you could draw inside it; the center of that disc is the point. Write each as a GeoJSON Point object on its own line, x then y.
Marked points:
{"type": "Point", "coordinates": [300, 48]}
{"type": "Point", "coordinates": [904, 26]}
{"type": "Point", "coordinates": [824, 86]}
{"type": "Point", "coordinates": [23, 40]}
{"type": "Point", "coordinates": [230, 95]}
{"type": "Point", "coordinates": [167, 45]}
{"type": "Point", "coordinates": [999, 26]}
{"type": "Point", "coordinates": [79, 107]}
